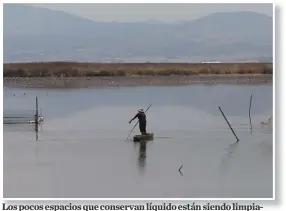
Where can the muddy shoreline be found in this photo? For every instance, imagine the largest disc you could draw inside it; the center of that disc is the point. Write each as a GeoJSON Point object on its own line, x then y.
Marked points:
{"type": "Point", "coordinates": [132, 81]}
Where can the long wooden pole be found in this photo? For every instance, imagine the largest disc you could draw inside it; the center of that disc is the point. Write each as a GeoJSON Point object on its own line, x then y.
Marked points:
{"type": "Point", "coordinates": [37, 119]}
{"type": "Point", "coordinates": [137, 122]}
{"type": "Point", "coordinates": [249, 114]}
{"type": "Point", "coordinates": [229, 125]}
{"type": "Point", "coordinates": [37, 111]}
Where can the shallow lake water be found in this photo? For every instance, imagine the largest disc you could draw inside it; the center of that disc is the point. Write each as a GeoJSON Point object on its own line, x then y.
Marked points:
{"type": "Point", "coordinates": [82, 150]}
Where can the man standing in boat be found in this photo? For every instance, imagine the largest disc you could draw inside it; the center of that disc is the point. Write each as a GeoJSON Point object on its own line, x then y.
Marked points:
{"type": "Point", "coordinates": [142, 121]}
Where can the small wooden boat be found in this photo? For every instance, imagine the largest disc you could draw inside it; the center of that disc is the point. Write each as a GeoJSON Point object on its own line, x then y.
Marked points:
{"type": "Point", "coordinates": [147, 137]}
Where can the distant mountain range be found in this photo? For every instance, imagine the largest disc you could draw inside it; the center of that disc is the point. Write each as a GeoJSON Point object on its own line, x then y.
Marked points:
{"type": "Point", "coordinates": [32, 33]}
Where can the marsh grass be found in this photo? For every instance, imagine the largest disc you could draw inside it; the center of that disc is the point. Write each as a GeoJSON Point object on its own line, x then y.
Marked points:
{"type": "Point", "coordinates": [74, 69]}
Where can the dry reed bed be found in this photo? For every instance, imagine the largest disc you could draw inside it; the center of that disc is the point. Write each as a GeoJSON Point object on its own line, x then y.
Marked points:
{"type": "Point", "coordinates": [76, 69]}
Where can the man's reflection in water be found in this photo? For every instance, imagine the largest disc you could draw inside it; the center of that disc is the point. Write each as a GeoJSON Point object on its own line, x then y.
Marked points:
{"type": "Point", "coordinates": [142, 155]}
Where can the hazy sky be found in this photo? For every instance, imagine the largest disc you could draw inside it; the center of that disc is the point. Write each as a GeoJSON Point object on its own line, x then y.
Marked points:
{"type": "Point", "coordinates": [163, 12]}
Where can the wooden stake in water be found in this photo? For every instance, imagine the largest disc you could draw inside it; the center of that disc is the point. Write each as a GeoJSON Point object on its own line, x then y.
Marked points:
{"type": "Point", "coordinates": [37, 111]}
{"type": "Point", "coordinates": [180, 170]}
{"type": "Point", "coordinates": [249, 112]}
{"type": "Point", "coordinates": [137, 123]}
{"type": "Point", "coordinates": [37, 119]}
{"type": "Point", "coordinates": [229, 124]}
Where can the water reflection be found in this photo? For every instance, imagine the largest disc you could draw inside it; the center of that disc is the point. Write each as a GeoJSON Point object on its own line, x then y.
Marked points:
{"type": "Point", "coordinates": [23, 128]}
{"type": "Point", "coordinates": [142, 155]}
{"type": "Point", "coordinates": [230, 151]}
{"type": "Point", "coordinates": [94, 139]}
{"type": "Point", "coordinates": [234, 99]}
{"type": "Point", "coordinates": [37, 131]}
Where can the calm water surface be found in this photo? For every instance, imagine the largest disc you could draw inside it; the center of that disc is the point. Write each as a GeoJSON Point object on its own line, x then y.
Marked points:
{"type": "Point", "coordinates": [82, 149]}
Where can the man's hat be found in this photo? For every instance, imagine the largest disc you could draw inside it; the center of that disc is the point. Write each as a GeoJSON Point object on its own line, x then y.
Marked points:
{"type": "Point", "coordinates": [141, 110]}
